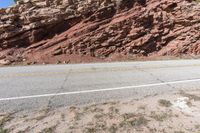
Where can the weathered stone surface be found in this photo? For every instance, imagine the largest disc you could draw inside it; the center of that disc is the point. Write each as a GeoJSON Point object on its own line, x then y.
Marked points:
{"type": "Point", "coordinates": [99, 29]}
{"type": "Point", "coordinates": [5, 62]}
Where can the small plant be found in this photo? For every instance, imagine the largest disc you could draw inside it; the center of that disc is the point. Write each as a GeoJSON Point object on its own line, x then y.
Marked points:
{"type": "Point", "coordinates": [197, 126]}
{"type": "Point", "coordinates": [89, 130]}
{"type": "Point", "coordinates": [141, 121]}
{"type": "Point", "coordinates": [63, 117]}
{"type": "Point", "coordinates": [48, 130]}
{"type": "Point", "coordinates": [113, 109]}
{"type": "Point", "coordinates": [160, 117]}
{"type": "Point", "coordinates": [133, 120]}
{"type": "Point", "coordinates": [164, 103]}
{"type": "Point", "coordinates": [128, 115]}
{"type": "Point", "coordinates": [178, 132]}
{"type": "Point", "coordinates": [4, 120]}
{"type": "Point", "coordinates": [99, 115]}
{"type": "Point", "coordinates": [3, 130]}
{"type": "Point", "coordinates": [189, 103]}
{"type": "Point", "coordinates": [113, 129]}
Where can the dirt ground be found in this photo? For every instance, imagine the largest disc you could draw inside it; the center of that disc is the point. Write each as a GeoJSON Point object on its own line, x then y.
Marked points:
{"type": "Point", "coordinates": [177, 113]}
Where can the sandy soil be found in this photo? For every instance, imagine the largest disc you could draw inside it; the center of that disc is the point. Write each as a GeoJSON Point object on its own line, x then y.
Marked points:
{"type": "Point", "coordinates": [178, 113]}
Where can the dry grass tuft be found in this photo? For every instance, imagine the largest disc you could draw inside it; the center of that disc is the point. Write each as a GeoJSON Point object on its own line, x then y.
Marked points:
{"type": "Point", "coordinates": [164, 103]}
{"type": "Point", "coordinates": [160, 116]}
{"type": "Point", "coordinates": [49, 130]}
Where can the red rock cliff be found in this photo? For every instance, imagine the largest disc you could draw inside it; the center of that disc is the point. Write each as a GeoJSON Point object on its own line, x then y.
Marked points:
{"type": "Point", "coordinates": [98, 30]}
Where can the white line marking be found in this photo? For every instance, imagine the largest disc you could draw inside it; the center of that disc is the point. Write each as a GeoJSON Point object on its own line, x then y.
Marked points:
{"type": "Point", "coordinates": [99, 90]}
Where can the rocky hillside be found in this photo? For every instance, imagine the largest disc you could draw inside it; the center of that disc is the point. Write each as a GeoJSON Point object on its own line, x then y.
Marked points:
{"type": "Point", "coordinates": [53, 31]}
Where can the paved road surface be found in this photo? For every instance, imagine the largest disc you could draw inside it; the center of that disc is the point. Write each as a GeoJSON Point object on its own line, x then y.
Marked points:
{"type": "Point", "coordinates": [36, 87]}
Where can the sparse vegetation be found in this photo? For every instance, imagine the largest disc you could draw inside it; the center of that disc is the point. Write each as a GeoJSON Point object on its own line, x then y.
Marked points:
{"type": "Point", "coordinates": [160, 116]}
{"type": "Point", "coordinates": [141, 121]}
{"type": "Point", "coordinates": [48, 130]}
{"type": "Point", "coordinates": [5, 119]}
{"type": "Point", "coordinates": [197, 126]}
{"type": "Point", "coordinates": [110, 118]}
{"type": "Point", "coordinates": [99, 115]}
{"type": "Point", "coordinates": [63, 116]}
{"type": "Point", "coordinates": [89, 130]}
{"type": "Point", "coordinates": [113, 128]}
{"type": "Point", "coordinates": [189, 103]}
{"type": "Point", "coordinates": [164, 103]}
{"type": "Point", "coordinates": [127, 116]}
{"type": "Point", "coordinates": [178, 132]}
{"type": "Point", "coordinates": [3, 130]}
{"type": "Point", "coordinates": [113, 110]}
{"type": "Point", "coordinates": [133, 120]}
{"type": "Point", "coordinates": [78, 116]}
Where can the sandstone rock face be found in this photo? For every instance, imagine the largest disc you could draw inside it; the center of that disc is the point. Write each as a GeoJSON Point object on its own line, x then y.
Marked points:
{"type": "Point", "coordinates": [51, 30]}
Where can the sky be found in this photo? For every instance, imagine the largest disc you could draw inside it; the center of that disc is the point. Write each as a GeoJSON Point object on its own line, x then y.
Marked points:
{"type": "Point", "coordinates": [6, 3]}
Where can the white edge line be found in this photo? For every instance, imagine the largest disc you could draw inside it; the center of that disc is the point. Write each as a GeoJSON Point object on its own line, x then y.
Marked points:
{"type": "Point", "coordinates": [99, 90]}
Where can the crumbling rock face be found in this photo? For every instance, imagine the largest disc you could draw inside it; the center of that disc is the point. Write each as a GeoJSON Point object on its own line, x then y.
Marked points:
{"type": "Point", "coordinates": [88, 30]}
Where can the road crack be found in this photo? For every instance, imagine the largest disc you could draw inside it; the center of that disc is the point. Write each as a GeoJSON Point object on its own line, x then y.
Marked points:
{"type": "Point", "coordinates": [49, 105]}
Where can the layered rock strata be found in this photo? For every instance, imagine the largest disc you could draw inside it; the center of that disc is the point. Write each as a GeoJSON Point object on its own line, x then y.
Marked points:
{"type": "Point", "coordinates": [51, 31]}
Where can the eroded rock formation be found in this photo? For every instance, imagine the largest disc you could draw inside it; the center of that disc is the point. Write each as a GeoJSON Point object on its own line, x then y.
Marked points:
{"type": "Point", "coordinates": [50, 31]}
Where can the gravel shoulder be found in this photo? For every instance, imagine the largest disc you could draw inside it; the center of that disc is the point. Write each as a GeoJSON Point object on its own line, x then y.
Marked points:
{"type": "Point", "coordinates": [177, 113]}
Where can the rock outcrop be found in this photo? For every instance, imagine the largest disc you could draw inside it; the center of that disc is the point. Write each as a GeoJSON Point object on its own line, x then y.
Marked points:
{"type": "Point", "coordinates": [50, 31]}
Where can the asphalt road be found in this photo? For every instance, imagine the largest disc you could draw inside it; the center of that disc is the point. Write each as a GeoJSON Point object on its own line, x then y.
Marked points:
{"type": "Point", "coordinates": [36, 87]}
